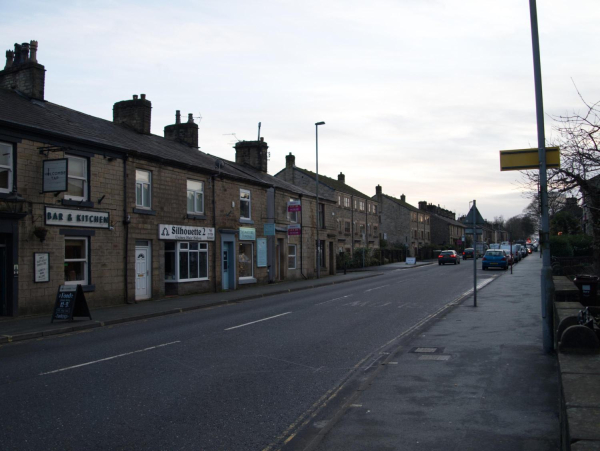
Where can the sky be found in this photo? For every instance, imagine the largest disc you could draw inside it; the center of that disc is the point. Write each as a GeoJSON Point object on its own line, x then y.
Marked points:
{"type": "Point", "coordinates": [418, 96]}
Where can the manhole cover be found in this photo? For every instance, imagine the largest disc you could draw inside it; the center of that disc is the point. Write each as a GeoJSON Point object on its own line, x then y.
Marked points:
{"type": "Point", "coordinates": [434, 357]}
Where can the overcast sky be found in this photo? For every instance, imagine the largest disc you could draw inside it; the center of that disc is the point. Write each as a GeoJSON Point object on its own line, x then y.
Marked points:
{"type": "Point", "coordinates": [417, 95]}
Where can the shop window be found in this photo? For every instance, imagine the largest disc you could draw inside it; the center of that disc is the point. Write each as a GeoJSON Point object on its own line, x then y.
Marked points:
{"type": "Point", "coordinates": [245, 261]}
{"type": "Point", "coordinates": [245, 204]}
{"type": "Point", "coordinates": [195, 197]}
{"type": "Point", "coordinates": [6, 167]}
{"type": "Point", "coordinates": [143, 188]}
{"type": "Point", "coordinates": [76, 260]}
{"type": "Point", "coordinates": [193, 261]}
{"type": "Point", "coordinates": [292, 256]}
{"type": "Point", "coordinates": [170, 265]}
{"type": "Point", "coordinates": [77, 188]}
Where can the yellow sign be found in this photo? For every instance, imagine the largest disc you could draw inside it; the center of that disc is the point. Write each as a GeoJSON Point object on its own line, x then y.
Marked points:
{"type": "Point", "coordinates": [521, 159]}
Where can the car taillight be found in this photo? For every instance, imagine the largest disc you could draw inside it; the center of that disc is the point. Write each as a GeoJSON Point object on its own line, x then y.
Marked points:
{"type": "Point", "coordinates": [453, 256]}
{"type": "Point", "coordinates": [440, 256]}
{"type": "Point", "coordinates": [503, 259]}
{"type": "Point", "coordinates": [483, 259]}
{"type": "Point", "coordinates": [463, 253]}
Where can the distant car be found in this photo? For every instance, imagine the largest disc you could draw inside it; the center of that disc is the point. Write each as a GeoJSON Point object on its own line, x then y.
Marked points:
{"type": "Point", "coordinates": [494, 258]}
{"type": "Point", "coordinates": [448, 257]}
{"type": "Point", "coordinates": [468, 253]}
{"type": "Point", "coordinates": [495, 246]}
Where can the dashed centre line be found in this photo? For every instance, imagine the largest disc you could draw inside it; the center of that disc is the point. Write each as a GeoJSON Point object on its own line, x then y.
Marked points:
{"type": "Point", "coordinates": [258, 321]}
{"type": "Point", "coordinates": [336, 299]}
{"type": "Point", "coordinates": [377, 288]}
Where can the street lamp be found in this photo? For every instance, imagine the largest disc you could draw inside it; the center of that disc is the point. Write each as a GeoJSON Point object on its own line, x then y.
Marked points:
{"type": "Point", "coordinates": [317, 148]}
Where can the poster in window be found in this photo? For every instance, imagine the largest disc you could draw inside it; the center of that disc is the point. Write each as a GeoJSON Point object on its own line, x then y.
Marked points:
{"type": "Point", "coordinates": [41, 270]}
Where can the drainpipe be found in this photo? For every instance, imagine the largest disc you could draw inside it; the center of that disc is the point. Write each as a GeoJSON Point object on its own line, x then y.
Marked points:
{"type": "Point", "coordinates": [213, 180]}
{"type": "Point", "coordinates": [352, 219]}
{"type": "Point", "coordinates": [126, 221]}
{"type": "Point", "coordinates": [302, 239]}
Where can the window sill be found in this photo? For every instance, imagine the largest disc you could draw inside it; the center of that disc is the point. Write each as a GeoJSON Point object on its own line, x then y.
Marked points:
{"type": "Point", "coordinates": [196, 216]}
{"type": "Point", "coordinates": [143, 211]}
{"type": "Point", "coordinates": [78, 203]}
{"type": "Point", "coordinates": [246, 280]}
{"type": "Point", "coordinates": [246, 221]}
{"type": "Point", "coordinates": [187, 280]}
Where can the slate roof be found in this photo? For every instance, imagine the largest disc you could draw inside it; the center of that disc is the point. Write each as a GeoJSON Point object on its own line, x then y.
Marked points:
{"type": "Point", "coordinates": [448, 220]}
{"type": "Point", "coordinates": [403, 204]}
{"type": "Point", "coordinates": [332, 183]}
{"type": "Point", "coordinates": [64, 124]}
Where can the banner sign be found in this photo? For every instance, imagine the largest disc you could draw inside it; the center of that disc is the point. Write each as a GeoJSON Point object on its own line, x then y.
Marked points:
{"type": "Point", "coordinates": [294, 229]}
{"type": "Point", "coordinates": [185, 233]}
{"type": "Point", "coordinates": [294, 205]}
{"type": "Point", "coordinates": [261, 252]}
{"type": "Point", "coordinates": [54, 175]}
{"type": "Point", "coordinates": [76, 218]}
{"type": "Point", "coordinates": [247, 234]}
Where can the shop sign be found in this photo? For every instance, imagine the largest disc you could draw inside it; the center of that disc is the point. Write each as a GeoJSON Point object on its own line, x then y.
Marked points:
{"type": "Point", "coordinates": [294, 229]}
{"type": "Point", "coordinates": [247, 234]}
{"type": "Point", "coordinates": [261, 252]}
{"type": "Point", "coordinates": [185, 233]}
{"type": "Point", "coordinates": [54, 175]}
{"type": "Point", "coordinates": [294, 205]}
{"type": "Point", "coordinates": [269, 229]}
{"type": "Point", "coordinates": [41, 261]}
{"type": "Point", "coordinates": [76, 218]}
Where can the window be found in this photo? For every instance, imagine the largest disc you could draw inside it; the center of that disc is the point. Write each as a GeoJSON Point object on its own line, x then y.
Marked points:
{"type": "Point", "coordinates": [195, 197]}
{"type": "Point", "coordinates": [193, 261]}
{"type": "Point", "coordinates": [362, 229]}
{"type": "Point", "coordinates": [339, 200]}
{"type": "Point", "coordinates": [339, 221]}
{"type": "Point", "coordinates": [375, 231]}
{"type": "Point", "coordinates": [347, 227]}
{"type": "Point", "coordinates": [245, 261]}
{"type": "Point", "coordinates": [321, 216]}
{"type": "Point", "coordinates": [6, 169]}
{"type": "Point", "coordinates": [245, 204]}
{"type": "Point", "coordinates": [76, 260]}
{"type": "Point", "coordinates": [361, 205]}
{"type": "Point", "coordinates": [355, 205]}
{"type": "Point", "coordinates": [292, 256]}
{"type": "Point", "coordinates": [77, 188]}
{"type": "Point", "coordinates": [413, 216]}
{"type": "Point", "coordinates": [374, 209]}
{"type": "Point", "coordinates": [347, 202]}
{"type": "Point", "coordinates": [143, 184]}
{"type": "Point", "coordinates": [293, 215]}
{"type": "Point", "coordinates": [321, 254]}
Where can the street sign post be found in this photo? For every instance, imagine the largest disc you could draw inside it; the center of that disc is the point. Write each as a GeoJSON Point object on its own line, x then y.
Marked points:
{"type": "Point", "coordinates": [522, 159]}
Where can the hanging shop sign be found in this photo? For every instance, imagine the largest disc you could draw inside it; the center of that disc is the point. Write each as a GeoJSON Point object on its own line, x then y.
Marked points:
{"type": "Point", "coordinates": [185, 233]}
{"type": "Point", "coordinates": [76, 218]}
{"type": "Point", "coordinates": [247, 234]}
{"type": "Point", "coordinates": [294, 229]}
{"type": "Point", "coordinates": [269, 229]}
{"type": "Point", "coordinates": [54, 175]}
{"type": "Point", "coordinates": [261, 252]}
{"type": "Point", "coordinates": [294, 205]}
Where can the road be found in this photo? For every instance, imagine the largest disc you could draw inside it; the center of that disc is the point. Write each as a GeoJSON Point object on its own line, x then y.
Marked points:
{"type": "Point", "coordinates": [239, 377]}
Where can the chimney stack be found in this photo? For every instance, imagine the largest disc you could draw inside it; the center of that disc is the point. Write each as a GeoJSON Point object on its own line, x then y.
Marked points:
{"type": "Point", "coordinates": [290, 161]}
{"type": "Point", "coordinates": [22, 72]}
{"type": "Point", "coordinates": [186, 133]}
{"type": "Point", "coordinates": [403, 198]}
{"type": "Point", "coordinates": [253, 154]}
{"type": "Point", "coordinates": [341, 178]}
{"type": "Point", "coordinates": [423, 205]}
{"type": "Point", "coordinates": [378, 190]}
{"type": "Point", "coordinates": [134, 114]}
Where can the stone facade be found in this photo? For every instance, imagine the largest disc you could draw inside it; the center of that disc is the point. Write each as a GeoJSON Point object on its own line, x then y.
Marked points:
{"type": "Point", "coordinates": [353, 217]}
{"type": "Point", "coordinates": [445, 229]}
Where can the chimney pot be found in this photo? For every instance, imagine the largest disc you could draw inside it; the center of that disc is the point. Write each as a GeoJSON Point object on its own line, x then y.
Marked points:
{"type": "Point", "coordinates": [25, 78]}
{"type": "Point", "coordinates": [378, 189]}
{"type": "Point", "coordinates": [177, 117]}
{"type": "Point", "coordinates": [403, 198]}
{"type": "Point", "coordinates": [186, 133]}
{"type": "Point", "coordinates": [10, 56]}
{"type": "Point", "coordinates": [135, 97]}
{"type": "Point", "coordinates": [33, 45]}
{"type": "Point", "coordinates": [18, 54]}
{"type": "Point", "coordinates": [143, 96]}
{"type": "Point", "coordinates": [25, 52]}
{"type": "Point", "coordinates": [135, 114]}
{"type": "Point", "coordinates": [190, 118]}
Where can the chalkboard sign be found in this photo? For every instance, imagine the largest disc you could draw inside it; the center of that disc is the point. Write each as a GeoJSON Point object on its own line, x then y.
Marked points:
{"type": "Point", "coordinates": [70, 303]}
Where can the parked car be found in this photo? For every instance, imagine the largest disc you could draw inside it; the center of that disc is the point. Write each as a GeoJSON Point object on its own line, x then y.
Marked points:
{"type": "Point", "coordinates": [494, 258]}
{"type": "Point", "coordinates": [448, 257]}
{"type": "Point", "coordinates": [495, 246]}
{"type": "Point", "coordinates": [529, 248]}
{"type": "Point", "coordinates": [468, 253]}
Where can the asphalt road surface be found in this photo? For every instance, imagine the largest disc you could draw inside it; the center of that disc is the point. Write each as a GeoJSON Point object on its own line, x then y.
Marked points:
{"type": "Point", "coordinates": [240, 377]}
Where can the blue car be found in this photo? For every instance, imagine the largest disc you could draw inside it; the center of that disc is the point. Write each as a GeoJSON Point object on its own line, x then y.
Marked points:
{"type": "Point", "coordinates": [495, 258]}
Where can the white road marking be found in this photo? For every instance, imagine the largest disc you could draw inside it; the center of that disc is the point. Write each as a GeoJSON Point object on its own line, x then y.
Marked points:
{"type": "Point", "coordinates": [377, 288]}
{"type": "Point", "coordinates": [336, 299]}
{"type": "Point", "coordinates": [383, 305]}
{"type": "Point", "coordinates": [260, 320]}
{"type": "Point", "coordinates": [109, 358]}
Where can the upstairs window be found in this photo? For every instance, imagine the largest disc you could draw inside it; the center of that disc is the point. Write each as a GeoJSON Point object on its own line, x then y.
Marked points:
{"type": "Point", "coordinates": [195, 197]}
{"type": "Point", "coordinates": [347, 202]}
{"type": "Point", "coordinates": [245, 204]}
{"type": "Point", "coordinates": [347, 227]}
{"type": "Point", "coordinates": [143, 185]}
{"type": "Point", "coordinates": [293, 215]}
{"type": "Point", "coordinates": [78, 178]}
{"type": "Point", "coordinates": [6, 167]}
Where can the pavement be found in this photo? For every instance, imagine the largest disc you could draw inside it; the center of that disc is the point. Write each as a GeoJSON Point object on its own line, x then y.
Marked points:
{"type": "Point", "coordinates": [474, 378]}
{"type": "Point", "coordinates": [14, 329]}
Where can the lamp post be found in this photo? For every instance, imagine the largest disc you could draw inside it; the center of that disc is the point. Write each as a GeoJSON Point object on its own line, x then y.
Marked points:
{"type": "Point", "coordinates": [317, 149]}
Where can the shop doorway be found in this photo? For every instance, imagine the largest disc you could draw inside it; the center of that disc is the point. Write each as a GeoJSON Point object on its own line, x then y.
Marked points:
{"type": "Point", "coordinates": [143, 273]}
{"type": "Point", "coordinates": [3, 277]}
{"type": "Point", "coordinates": [227, 265]}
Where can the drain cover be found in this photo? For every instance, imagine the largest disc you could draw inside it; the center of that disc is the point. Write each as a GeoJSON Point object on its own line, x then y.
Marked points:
{"type": "Point", "coordinates": [434, 357]}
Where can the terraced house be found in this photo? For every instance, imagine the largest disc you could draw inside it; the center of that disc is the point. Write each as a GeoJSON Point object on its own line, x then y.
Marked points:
{"type": "Point", "coordinates": [445, 229]}
{"type": "Point", "coordinates": [129, 215]}
{"type": "Point", "coordinates": [354, 216]}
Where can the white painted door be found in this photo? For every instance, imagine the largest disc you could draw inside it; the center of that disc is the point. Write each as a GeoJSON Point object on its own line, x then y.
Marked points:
{"type": "Point", "coordinates": [142, 273]}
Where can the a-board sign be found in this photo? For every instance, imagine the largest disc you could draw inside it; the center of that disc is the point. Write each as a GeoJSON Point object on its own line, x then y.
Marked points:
{"type": "Point", "coordinates": [411, 260]}
{"type": "Point", "coordinates": [70, 303]}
